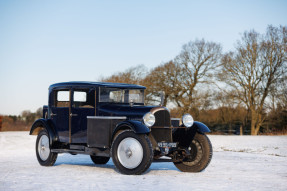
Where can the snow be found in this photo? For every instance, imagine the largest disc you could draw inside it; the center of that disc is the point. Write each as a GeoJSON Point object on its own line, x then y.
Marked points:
{"type": "Point", "coordinates": [238, 163]}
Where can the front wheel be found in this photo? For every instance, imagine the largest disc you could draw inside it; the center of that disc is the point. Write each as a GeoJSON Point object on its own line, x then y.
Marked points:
{"type": "Point", "coordinates": [43, 152]}
{"type": "Point", "coordinates": [200, 155]}
{"type": "Point", "coordinates": [132, 153]}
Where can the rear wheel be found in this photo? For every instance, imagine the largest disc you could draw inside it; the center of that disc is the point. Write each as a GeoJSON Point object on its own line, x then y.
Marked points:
{"type": "Point", "coordinates": [99, 160]}
{"type": "Point", "coordinates": [132, 153]}
{"type": "Point", "coordinates": [43, 152]}
{"type": "Point", "coordinates": [200, 155]}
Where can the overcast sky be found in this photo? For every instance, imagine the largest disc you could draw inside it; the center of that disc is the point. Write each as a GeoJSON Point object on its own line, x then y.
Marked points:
{"type": "Point", "coordinates": [44, 42]}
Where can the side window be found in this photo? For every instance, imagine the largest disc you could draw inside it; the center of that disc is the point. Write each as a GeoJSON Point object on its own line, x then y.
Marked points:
{"type": "Point", "coordinates": [136, 95]}
{"type": "Point", "coordinates": [84, 98]}
{"type": "Point", "coordinates": [62, 98]}
{"type": "Point", "coordinates": [112, 95]}
{"type": "Point", "coordinates": [117, 96]}
{"type": "Point", "coordinates": [80, 96]}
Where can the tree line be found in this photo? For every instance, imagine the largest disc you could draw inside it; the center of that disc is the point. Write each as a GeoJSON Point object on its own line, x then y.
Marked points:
{"type": "Point", "coordinates": [241, 90]}
{"type": "Point", "coordinates": [21, 122]}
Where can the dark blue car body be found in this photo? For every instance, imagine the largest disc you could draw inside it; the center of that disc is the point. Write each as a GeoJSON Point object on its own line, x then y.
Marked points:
{"type": "Point", "coordinates": [80, 120]}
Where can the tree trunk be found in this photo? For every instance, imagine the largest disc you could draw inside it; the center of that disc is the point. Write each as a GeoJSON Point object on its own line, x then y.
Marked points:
{"type": "Point", "coordinates": [241, 130]}
{"type": "Point", "coordinates": [257, 127]}
{"type": "Point", "coordinates": [253, 122]}
{"type": "Point", "coordinates": [256, 122]}
{"type": "Point", "coordinates": [256, 131]}
{"type": "Point", "coordinates": [253, 132]}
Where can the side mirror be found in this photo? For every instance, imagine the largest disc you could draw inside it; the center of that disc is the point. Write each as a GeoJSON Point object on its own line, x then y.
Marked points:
{"type": "Point", "coordinates": [161, 98]}
{"type": "Point", "coordinates": [131, 102]}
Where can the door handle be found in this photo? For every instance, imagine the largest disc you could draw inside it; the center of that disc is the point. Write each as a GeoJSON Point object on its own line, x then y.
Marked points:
{"type": "Point", "coordinates": [52, 114]}
{"type": "Point", "coordinates": [73, 115]}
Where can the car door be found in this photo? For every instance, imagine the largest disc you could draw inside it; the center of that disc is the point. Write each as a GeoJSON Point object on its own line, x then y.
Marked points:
{"type": "Point", "coordinates": [83, 105]}
{"type": "Point", "coordinates": [60, 113]}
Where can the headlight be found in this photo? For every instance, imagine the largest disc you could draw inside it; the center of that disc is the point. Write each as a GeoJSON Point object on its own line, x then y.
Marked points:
{"type": "Point", "coordinates": [149, 119]}
{"type": "Point", "coordinates": [187, 120]}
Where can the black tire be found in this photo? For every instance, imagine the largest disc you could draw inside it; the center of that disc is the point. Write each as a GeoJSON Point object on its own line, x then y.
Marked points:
{"type": "Point", "coordinates": [201, 154]}
{"type": "Point", "coordinates": [100, 160]}
{"type": "Point", "coordinates": [143, 155]}
{"type": "Point", "coordinates": [48, 158]}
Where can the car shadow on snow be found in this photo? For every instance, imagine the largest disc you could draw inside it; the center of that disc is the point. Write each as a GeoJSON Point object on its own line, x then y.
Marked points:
{"type": "Point", "coordinates": [86, 163]}
{"type": "Point", "coordinates": [79, 160]}
{"type": "Point", "coordinates": [84, 160]}
{"type": "Point", "coordinates": [162, 166]}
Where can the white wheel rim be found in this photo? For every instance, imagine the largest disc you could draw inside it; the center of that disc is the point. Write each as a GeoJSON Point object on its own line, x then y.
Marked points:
{"type": "Point", "coordinates": [43, 147]}
{"type": "Point", "coordinates": [130, 153]}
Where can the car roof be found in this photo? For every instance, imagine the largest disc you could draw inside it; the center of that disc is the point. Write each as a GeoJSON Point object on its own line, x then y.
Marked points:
{"type": "Point", "coordinates": [96, 84]}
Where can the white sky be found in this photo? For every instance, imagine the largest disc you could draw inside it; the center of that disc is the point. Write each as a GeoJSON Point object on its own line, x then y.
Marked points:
{"type": "Point", "coordinates": [44, 42]}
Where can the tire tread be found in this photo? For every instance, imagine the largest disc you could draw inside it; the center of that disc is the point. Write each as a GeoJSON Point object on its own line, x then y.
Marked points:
{"type": "Point", "coordinates": [207, 158]}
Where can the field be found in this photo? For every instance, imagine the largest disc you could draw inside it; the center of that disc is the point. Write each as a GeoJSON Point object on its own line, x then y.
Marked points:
{"type": "Point", "coordinates": [239, 163]}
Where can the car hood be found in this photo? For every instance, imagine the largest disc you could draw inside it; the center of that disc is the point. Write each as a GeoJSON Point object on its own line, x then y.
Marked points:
{"type": "Point", "coordinates": [134, 112]}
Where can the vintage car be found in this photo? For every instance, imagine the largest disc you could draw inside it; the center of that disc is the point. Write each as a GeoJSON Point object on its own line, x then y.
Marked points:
{"type": "Point", "coordinates": [106, 120]}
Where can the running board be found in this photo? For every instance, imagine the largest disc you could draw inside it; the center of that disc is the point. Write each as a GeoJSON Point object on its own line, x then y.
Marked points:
{"type": "Point", "coordinates": [66, 151]}
{"type": "Point", "coordinates": [85, 150]}
{"type": "Point", "coordinates": [77, 147]}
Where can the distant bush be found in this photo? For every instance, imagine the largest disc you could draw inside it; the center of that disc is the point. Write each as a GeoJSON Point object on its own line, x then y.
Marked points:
{"type": "Point", "coordinates": [1, 122]}
{"type": "Point", "coordinates": [21, 122]}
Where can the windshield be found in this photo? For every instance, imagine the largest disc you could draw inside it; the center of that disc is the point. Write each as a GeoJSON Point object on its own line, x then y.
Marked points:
{"type": "Point", "coordinates": [116, 95]}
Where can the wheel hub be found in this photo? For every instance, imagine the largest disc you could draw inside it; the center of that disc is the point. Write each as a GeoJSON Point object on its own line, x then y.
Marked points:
{"type": "Point", "coordinates": [196, 153]}
{"type": "Point", "coordinates": [129, 153]}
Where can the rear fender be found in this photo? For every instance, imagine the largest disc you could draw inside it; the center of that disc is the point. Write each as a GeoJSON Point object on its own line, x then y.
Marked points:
{"type": "Point", "coordinates": [41, 124]}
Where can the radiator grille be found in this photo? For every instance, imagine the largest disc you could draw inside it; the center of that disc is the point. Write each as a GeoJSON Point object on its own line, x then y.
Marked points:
{"type": "Point", "coordinates": [162, 118]}
{"type": "Point", "coordinates": [162, 135]}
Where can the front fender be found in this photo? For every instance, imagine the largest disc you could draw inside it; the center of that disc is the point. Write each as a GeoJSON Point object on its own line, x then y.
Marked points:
{"type": "Point", "coordinates": [185, 135]}
{"type": "Point", "coordinates": [137, 127]}
{"type": "Point", "coordinates": [200, 127]}
{"type": "Point", "coordinates": [40, 124]}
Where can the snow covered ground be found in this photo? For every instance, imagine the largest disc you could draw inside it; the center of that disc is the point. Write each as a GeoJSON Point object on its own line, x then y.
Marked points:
{"type": "Point", "coordinates": [239, 163]}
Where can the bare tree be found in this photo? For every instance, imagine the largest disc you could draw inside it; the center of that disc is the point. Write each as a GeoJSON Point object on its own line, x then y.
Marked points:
{"type": "Point", "coordinates": [258, 62]}
{"type": "Point", "coordinates": [197, 60]}
{"type": "Point", "coordinates": [277, 116]}
{"type": "Point", "coordinates": [163, 79]}
{"type": "Point", "coordinates": [282, 94]}
{"type": "Point", "coordinates": [230, 110]}
{"type": "Point", "coordinates": [133, 75]}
